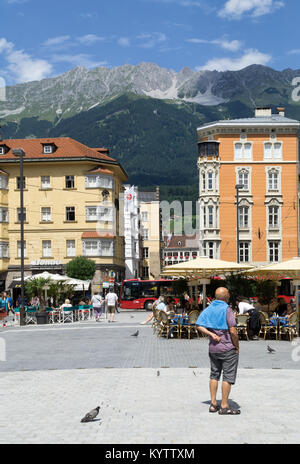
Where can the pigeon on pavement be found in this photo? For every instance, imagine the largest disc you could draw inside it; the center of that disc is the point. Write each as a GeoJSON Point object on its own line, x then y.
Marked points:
{"type": "Point", "coordinates": [135, 334]}
{"type": "Point", "coordinates": [271, 350]}
{"type": "Point", "coordinates": [90, 416]}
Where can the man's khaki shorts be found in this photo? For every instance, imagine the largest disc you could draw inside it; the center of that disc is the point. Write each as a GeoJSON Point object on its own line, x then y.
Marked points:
{"type": "Point", "coordinates": [111, 309]}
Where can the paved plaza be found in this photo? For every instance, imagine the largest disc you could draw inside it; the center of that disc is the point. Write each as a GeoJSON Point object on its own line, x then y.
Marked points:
{"type": "Point", "coordinates": [150, 390]}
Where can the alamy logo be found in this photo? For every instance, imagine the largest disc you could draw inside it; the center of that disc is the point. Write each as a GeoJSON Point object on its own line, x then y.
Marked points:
{"type": "Point", "coordinates": [296, 91]}
{"type": "Point", "coordinates": [296, 351]}
{"type": "Point", "coordinates": [2, 89]}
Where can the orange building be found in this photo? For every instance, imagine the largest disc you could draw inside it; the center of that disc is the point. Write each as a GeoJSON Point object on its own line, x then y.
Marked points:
{"type": "Point", "coordinates": [254, 160]}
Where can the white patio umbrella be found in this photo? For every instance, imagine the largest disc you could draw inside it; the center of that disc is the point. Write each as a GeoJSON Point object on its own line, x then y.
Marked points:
{"type": "Point", "coordinates": [203, 268]}
{"type": "Point", "coordinates": [289, 268]}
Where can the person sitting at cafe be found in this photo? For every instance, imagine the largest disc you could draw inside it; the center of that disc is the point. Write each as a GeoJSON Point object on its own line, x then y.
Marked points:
{"type": "Point", "coordinates": [282, 307]}
{"type": "Point", "coordinates": [154, 306]}
{"type": "Point", "coordinates": [170, 306]}
{"type": "Point", "coordinates": [66, 304]}
{"type": "Point", "coordinates": [289, 311]}
{"type": "Point", "coordinates": [245, 307]}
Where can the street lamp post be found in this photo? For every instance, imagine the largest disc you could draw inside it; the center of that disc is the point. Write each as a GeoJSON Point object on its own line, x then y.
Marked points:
{"type": "Point", "coordinates": [237, 188]}
{"type": "Point", "coordinates": [20, 154]}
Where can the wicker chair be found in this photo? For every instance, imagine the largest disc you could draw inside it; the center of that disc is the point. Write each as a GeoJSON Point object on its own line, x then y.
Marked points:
{"type": "Point", "coordinates": [242, 325]}
{"type": "Point", "coordinates": [290, 329]}
{"type": "Point", "coordinates": [266, 327]}
{"type": "Point", "coordinates": [166, 326]}
{"type": "Point", "coordinates": [156, 320]}
{"type": "Point", "coordinates": [191, 327]}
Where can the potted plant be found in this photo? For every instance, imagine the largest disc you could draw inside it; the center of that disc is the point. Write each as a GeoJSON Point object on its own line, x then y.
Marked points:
{"type": "Point", "coordinates": [37, 287]}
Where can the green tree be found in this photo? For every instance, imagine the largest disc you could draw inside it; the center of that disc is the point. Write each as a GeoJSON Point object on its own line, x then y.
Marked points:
{"type": "Point", "coordinates": [265, 290]}
{"type": "Point", "coordinates": [60, 290]}
{"type": "Point", "coordinates": [81, 268]}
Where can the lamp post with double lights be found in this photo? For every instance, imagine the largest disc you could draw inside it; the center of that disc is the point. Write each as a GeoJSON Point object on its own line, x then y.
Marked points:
{"type": "Point", "coordinates": [20, 154]}
{"type": "Point", "coordinates": [238, 187]}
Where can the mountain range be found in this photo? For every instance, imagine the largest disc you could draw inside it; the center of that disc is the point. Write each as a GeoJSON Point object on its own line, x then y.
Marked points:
{"type": "Point", "coordinates": [146, 115]}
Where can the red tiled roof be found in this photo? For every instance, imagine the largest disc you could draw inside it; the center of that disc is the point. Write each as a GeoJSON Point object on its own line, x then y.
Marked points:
{"type": "Point", "coordinates": [95, 234]}
{"type": "Point", "coordinates": [101, 170]}
{"type": "Point", "coordinates": [66, 148]}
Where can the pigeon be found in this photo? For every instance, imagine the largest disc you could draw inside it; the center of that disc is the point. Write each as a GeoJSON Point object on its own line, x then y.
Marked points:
{"type": "Point", "coordinates": [90, 416]}
{"type": "Point", "coordinates": [135, 334]}
{"type": "Point", "coordinates": [158, 373]}
{"type": "Point", "coordinates": [270, 350]}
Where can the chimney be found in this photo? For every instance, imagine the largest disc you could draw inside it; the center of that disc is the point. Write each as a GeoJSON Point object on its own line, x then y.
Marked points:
{"type": "Point", "coordinates": [281, 111]}
{"type": "Point", "coordinates": [263, 112]}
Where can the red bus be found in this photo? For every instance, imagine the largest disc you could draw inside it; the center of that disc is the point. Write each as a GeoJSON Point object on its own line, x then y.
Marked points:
{"type": "Point", "coordinates": [140, 294]}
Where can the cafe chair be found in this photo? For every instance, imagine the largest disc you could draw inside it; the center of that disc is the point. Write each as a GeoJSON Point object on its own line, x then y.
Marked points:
{"type": "Point", "coordinates": [30, 317]}
{"type": "Point", "coordinates": [242, 325]}
{"type": "Point", "coordinates": [67, 315]}
{"type": "Point", "coordinates": [289, 328]}
{"type": "Point", "coordinates": [156, 322]}
{"type": "Point", "coordinates": [167, 326]}
{"type": "Point", "coordinates": [53, 315]}
{"type": "Point", "coordinates": [266, 327]}
{"type": "Point", "coordinates": [190, 327]}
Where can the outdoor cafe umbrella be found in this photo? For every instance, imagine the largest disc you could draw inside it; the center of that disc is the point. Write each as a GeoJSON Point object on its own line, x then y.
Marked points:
{"type": "Point", "coordinates": [202, 268]}
{"type": "Point", "coordinates": [290, 268]}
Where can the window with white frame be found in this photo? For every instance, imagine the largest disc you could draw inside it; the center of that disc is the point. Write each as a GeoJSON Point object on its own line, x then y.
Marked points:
{"type": "Point", "coordinates": [19, 249]}
{"type": "Point", "coordinates": [273, 181]}
{"type": "Point", "coordinates": [71, 252]}
{"type": "Point", "coordinates": [2, 151]}
{"type": "Point", "coordinates": [4, 250]}
{"type": "Point", "coordinates": [91, 213]}
{"type": "Point", "coordinates": [274, 251]}
{"type": "Point", "coordinates": [145, 216]}
{"type": "Point", "coordinates": [45, 182]}
{"type": "Point", "coordinates": [243, 179]}
{"type": "Point", "coordinates": [244, 252]}
{"type": "Point", "coordinates": [210, 180]}
{"type": "Point", "coordinates": [105, 213]}
{"type": "Point", "coordinates": [47, 149]}
{"type": "Point", "coordinates": [107, 247]}
{"type": "Point", "coordinates": [273, 216]}
{"type": "Point", "coordinates": [46, 249]}
{"type": "Point", "coordinates": [91, 247]}
{"type": "Point", "coordinates": [273, 150]}
{"type": "Point", "coordinates": [3, 182]}
{"type": "Point", "coordinates": [97, 181]}
{"type": "Point", "coordinates": [97, 247]}
{"type": "Point", "coordinates": [46, 214]}
{"type": "Point", "coordinates": [145, 234]}
{"type": "Point", "coordinates": [243, 217]}
{"type": "Point", "coordinates": [3, 214]}
{"type": "Point", "coordinates": [242, 150]}
{"type": "Point", "coordinates": [204, 216]}
{"type": "Point", "coordinates": [210, 216]}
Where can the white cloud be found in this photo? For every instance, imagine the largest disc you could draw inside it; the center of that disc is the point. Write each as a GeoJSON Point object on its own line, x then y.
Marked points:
{"type": "Point", "coordinates": [234, 64]}
{"type": "Point", "coordinates": [56, 41]}
{"type": "Point", "coordinates": [11, 2]}
{"type": "Point", "coordinates": [231, 45]}
{"type": "Point", "coordinates": [80, 59]}
{"type": "Point", "coordinates": [151, 40]}
{"type": "Point", "coordinates": [21, 67]}
{"type": "Point", "coordinates": [90, 39]}
{"type": "Point", "coordinates": [235, 9]}
{"type": "Point", "coordinates": [124, 41]}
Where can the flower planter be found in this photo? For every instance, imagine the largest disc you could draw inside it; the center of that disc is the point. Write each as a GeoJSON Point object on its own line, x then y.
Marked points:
{"type": "Point", "coordinates": [42, 317]}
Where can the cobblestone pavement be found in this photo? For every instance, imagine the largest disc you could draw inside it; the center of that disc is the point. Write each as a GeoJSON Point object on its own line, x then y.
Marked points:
{"type": "Point", "coordinates": [53, 375]}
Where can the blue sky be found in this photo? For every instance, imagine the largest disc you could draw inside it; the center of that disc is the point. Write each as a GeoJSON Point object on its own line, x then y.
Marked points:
{"type": "Point", "coordinates": [40, 38]}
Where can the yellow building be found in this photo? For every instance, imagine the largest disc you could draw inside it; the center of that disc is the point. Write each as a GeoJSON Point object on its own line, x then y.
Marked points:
{"type": "Point", "coordinates": [71, 202]}
{"type": "Point", "coordinates": [151, 233]}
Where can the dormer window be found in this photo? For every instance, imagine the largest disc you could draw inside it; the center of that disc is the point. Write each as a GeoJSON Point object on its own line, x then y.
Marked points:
{"type": "Point", "coordinates": [2, 150]}
{"type": "Point", "coordinates": [47, 149]}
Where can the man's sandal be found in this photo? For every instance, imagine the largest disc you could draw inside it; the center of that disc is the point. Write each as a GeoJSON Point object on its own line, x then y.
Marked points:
{"type": "Point", "coordinates": [229, 412]}
{"type": "Point", "coordinates": [214, 407]}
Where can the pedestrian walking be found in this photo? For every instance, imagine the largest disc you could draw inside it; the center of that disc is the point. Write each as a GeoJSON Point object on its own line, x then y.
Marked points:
{"type": "Point", "coordinates": [97, 302]}
{"type": "Point", "coordinates": [218, 322]}
{"type": "Point", "coordinates": [111, 300]}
